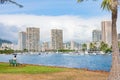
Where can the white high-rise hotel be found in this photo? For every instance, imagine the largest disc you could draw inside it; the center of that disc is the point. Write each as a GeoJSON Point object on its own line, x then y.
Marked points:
{"type": "Point", "coordinates": [96, 35]}
{"type": "Point", "coordinates": [57, 39]}
{"type": "Point", "coordinates": [22, 40]}
{"type": "Point", "coordinates": [33, 38]}
{"type": "Point", "coordinates": [106, 32]}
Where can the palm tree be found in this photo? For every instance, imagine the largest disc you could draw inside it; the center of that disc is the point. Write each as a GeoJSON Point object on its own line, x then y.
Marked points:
{"type": "Point", "coordinates": [104, 47]}
{"type": "Point", "coordinates": [112, 5]}
{"type": "Point", "coordinates": [84, 47]}
{"type": "Point", "coordinates": [92, 46]}
{"type": "Point", "coordinates": [3, 1]}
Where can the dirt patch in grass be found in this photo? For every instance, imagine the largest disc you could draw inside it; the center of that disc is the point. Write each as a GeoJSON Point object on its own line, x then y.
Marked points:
{"type": "Point", "coordinates": [68, 74]}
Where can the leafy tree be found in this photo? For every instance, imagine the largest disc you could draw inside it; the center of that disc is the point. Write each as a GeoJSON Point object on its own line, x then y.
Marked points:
{"type": "Point", "coordinates": [6, 51]}
{"type": "Point", "coordinates": [104, 47]}
{"type": "Point", "coordinates": [65, 50]}
{"type": "Point", "coordinates": [108, 50]}
{"type": "Point", "coordinates": [25, 50]}
{"type": "Point", "coordinates": [112, 5]}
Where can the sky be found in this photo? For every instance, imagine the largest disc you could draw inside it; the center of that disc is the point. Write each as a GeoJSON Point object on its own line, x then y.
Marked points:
{"type": "Point", "coordinates": [77, 20]}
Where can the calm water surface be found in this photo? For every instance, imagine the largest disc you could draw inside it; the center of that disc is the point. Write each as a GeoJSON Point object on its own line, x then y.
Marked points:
{"type": "Point", "coordinates": [91, 62]}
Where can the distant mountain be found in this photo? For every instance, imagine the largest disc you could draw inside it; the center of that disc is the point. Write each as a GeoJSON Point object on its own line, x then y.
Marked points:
{"type": "Point", "coordinates": [4, 41]}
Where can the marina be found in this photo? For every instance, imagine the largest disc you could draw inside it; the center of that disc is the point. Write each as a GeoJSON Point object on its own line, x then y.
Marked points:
{"type": "Point", "coordinates": [91, 62]}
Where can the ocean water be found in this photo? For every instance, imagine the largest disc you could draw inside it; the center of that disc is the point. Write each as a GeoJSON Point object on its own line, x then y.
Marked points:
{"type": "Point", "coordinates": [91, 62]}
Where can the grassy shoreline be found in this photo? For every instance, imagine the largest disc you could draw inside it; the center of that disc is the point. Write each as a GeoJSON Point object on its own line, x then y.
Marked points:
{"type": "Point", "coordinates": [39, 72]}
{"type": "Point", "coordinates": [28, 69]}
{"type": "Point", "coordinates": [55, 67]}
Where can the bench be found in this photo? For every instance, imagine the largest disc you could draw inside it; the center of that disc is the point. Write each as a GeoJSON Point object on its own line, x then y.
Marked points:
{"type": "Point", "coordinates": [13, 62]}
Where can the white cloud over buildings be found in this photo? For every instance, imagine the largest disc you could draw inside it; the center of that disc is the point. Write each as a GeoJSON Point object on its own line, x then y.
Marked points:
{"type": "Point", "coordinates": [74, 27]}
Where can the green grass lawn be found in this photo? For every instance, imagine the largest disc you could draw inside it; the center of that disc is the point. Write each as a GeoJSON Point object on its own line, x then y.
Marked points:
{"type": "Point", "coordinates": [28, 69]}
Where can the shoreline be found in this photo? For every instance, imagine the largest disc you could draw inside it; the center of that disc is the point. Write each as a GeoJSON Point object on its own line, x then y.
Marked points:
{"type": "Point", "coordinates": [85, 69]}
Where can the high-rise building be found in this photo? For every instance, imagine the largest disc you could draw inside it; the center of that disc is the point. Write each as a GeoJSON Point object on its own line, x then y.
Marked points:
{"type": "Point", "coordinates": [22, 40]}
{"type": "Point", "coordinates": [57, 39]}
{"type": "Point", "coordinates": [96, 36]}
{"type": "Point", "coordinates": [33, 38]}
{"type": "Point", "coordinates": [119, 37]}
{"type": "Point", "coordinates": [106, 32]}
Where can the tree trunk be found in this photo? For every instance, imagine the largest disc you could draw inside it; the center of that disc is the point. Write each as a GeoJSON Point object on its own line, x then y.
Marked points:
{"type": "Point", "coordinates": [115, 69]}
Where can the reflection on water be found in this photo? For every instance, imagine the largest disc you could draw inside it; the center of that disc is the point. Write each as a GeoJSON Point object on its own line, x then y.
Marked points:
{"type": "Point", "coordinates": [92, 62]}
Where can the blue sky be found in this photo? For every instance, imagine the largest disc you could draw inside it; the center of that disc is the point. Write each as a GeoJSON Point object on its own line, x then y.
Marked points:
{"type": "Point", "coordinates": [55, 8]}
{"type": "Point", "coordinates": [77, 20]}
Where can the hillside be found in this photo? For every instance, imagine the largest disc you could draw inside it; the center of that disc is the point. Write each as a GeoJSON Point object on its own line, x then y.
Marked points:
{"type": "Point", "coordinates": [4, 41]}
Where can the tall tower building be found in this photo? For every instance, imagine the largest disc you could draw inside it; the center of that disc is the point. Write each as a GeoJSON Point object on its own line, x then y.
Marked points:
{"type": "Point", "coordinates": [119, 37]}
{"type": "Point", "coordinates": [57, 39]}
{"type": "Point", "coordinates": [33, 37]}
{"type": "Point", "coordinates": [106, 32]}
{"type": "Point", "coordinates": [22, 40]}
{"type": "Point", "coordinates": [96, 35]}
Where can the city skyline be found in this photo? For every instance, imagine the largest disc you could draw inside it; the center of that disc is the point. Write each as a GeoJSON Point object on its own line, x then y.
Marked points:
{"type": "Point", "coordinates": [71, 17]}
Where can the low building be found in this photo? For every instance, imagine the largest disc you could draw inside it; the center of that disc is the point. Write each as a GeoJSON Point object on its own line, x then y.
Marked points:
{"type": "Point", "coordinates": [8, 46]}
{"type": "Point", "coordinates": [45, 46]}
{"type": "Point", "coordinates": [66, 45]}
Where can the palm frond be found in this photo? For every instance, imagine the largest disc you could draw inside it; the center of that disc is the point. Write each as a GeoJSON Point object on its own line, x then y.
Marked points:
{"type": "Point", "coordinates": [84, 0]}
{"type": "Point", "coordinates": [80, 0]}
{"type": "Point", "coordinates": [16, 3]}
{"type": "Point", "coordinates": [106, 4]}
{"type": "Point", "coordinates": [3, 1]}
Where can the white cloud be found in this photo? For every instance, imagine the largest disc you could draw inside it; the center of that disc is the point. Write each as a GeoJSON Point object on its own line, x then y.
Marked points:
{"type": "Point", "coordinates": [74, 27]}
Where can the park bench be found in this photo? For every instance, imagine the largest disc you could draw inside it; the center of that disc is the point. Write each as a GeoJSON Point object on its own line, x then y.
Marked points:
{"type": "Point", "coordinates": [13, 62]}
